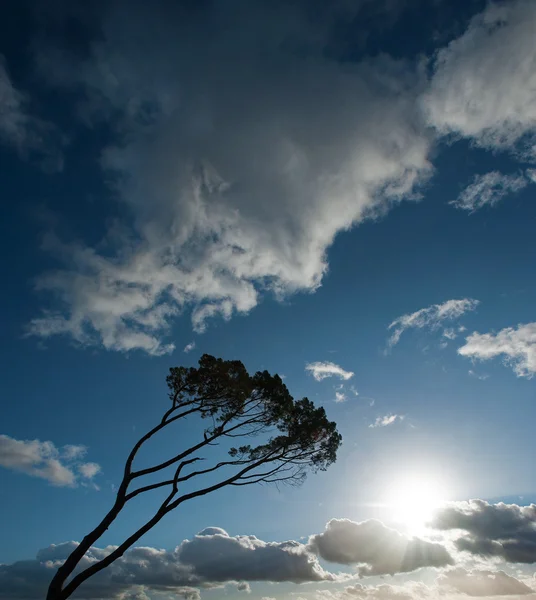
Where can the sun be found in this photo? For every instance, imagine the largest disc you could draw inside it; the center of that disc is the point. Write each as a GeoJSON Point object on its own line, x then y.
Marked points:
{"type": "Point", "coordinates": [413, 501]}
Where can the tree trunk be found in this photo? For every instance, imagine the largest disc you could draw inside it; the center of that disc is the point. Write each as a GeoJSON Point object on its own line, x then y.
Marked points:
{"type": "Point", "coordinates": [55, 589]}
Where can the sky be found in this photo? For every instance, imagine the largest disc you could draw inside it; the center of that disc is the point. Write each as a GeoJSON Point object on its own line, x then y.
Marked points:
{"type": "Point", "coordinates": [338, 192]}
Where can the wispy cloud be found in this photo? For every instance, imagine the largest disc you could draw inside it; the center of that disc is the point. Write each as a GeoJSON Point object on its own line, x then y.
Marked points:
{"type": "Point", "coordinates": [386, 420]}
{"type": "Point", "coordinates": [322, 370]}
{"type": "Point", "coordinates": [23, 131]}
{"type": "Point", "coordinates": [481, 376]}
{"type": "Point", "coordinates": [488, 189]}
{"type": "Point", "coordinates": [189, 347]}
{"type": "Point", "coordinates": [58, 466]}
{"type": "Point", "coordinates": [340, 397]}
{"type": "Point", "coordinates": [431, 317]}
{"type": "Point", "coordinates": [516, 345]}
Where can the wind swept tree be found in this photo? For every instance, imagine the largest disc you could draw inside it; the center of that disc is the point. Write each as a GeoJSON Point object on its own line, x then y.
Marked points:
{"type": "Point", "coordinates": [264, 435]}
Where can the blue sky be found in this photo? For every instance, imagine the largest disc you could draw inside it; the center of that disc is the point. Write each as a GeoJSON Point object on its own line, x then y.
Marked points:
{"type": "Point", "coordinates": [340, 193]}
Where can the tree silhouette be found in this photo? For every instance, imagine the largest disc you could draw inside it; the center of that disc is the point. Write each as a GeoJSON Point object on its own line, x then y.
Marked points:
{"type": "Point", "coordinates": [292, 437]}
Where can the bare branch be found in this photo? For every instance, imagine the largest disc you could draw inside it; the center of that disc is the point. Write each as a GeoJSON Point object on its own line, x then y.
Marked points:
{"type": "Point", "coordinates": [219, 432]}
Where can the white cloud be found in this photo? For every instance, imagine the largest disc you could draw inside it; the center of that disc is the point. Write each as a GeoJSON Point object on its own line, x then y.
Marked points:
{"type": "Point", "coordinates": [322, 370]}
{"type": "Point", "coordinates": [237, 181]}
{"type": "Point", "coordinates": [44, 460]}
{"type": "Point", "coordinates": [484, 84]}
{"type": "Point", "coordinates": [454, 583]}
{"type": "Point", "coordinates": [483, 583]}
{"type": "Point", "coordinates": [431, 317]}
{"type": "Point", "coordinates": [189, 347]}
{"type": "Point", "coordinates": [517, 345]}
{"type": "Point", "coordinates": [411, 590]}
{"type": "Point", "coordinates": [386, 420]}
{"type": "Point", "coordinates": [89, 470]}
{"type": "Point", "coordinates": [489, 189]}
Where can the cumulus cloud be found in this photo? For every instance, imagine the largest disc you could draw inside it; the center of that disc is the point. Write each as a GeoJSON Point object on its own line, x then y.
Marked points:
{"type": "Point", "coordinates": [507, 531]}
{"type": "Point", "coordinates": [484, 82]}
{"type": "Point", "coordinates": [211, 559]}
{"type": "Point", "coordinates": [516, 345]}
{"type": "Point", "coordinates": [61, 467]}
{"type": "Point", "coordinates": [323, 370]}
{"type": "Point", "coordinates": [488, 189]}
{"type": "Point", "coordinates": [21, 130]}
{"type": "Point", "coordinates": [431, 317]}
{"type": "Point", "coordinates": [386, 420]}
{"type": "Point", "coordinates": [236, 182]}
{"type": "Point", "coordinates": [189, 347]}
{"type": "Point", "coordinates": [139, 571]}
{"type": "Point", "coordinates": [217, 556]}
{"type": "Point", "coordinates": [484, 583]}
{"type": "Point", "coordinates": [375, 548]}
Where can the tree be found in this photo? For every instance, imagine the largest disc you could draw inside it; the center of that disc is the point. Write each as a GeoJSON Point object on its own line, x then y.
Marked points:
{"type": "Point", "coordinates": [293, 437]}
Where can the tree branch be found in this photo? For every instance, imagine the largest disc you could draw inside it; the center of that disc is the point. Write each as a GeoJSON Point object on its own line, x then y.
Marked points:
{"type": "Point", "coordinates": [164, 509]}
{"type": "Point", "coordinates": [219, 432]}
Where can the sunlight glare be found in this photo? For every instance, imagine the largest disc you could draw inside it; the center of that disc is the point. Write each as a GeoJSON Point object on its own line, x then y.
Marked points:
{"type": "Point", "coordinates": [414, 500]}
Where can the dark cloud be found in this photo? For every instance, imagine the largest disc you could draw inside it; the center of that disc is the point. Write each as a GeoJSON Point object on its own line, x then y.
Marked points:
{"type": "Point", "coordinates": [507, 531]}
{"type": "Point", "coordinates": [139, 570]}
{"type": "Point", "coordinates": [377, 549]}
{"type": "Point", "coordinates": [216, 556]}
